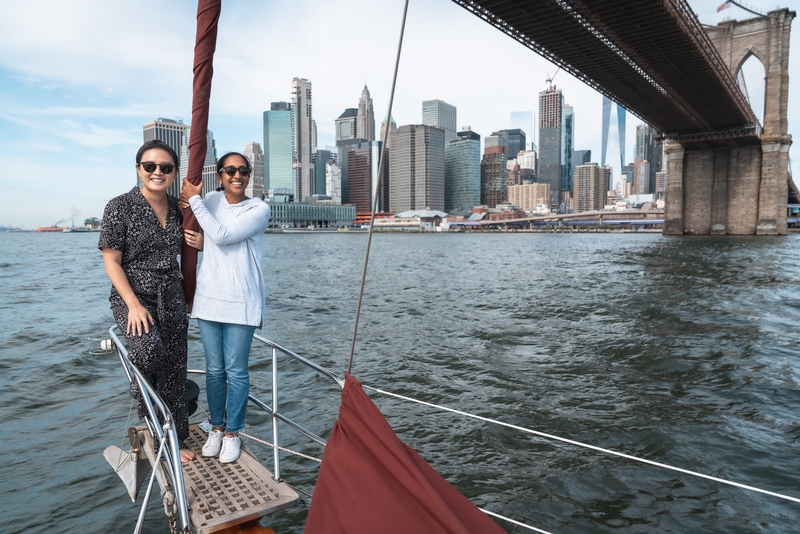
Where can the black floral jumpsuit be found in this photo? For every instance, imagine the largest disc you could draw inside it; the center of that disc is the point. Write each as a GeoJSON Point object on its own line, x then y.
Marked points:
{"type": "Point", "coordinates": [149, 260]}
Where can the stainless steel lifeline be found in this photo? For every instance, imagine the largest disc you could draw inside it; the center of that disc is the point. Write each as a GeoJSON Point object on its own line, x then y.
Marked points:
{"type": "Point", "coordinates": [172, 455]}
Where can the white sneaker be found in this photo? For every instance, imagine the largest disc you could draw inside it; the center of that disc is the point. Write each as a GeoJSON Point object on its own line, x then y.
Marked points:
{"type": "Point", "coordinates": [231, 447]}
{"type": "Point", "coordinates": [213, 444]}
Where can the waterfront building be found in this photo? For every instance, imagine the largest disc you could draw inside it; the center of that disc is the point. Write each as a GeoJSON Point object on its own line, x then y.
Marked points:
{"type": "Point", "coordinates": [306, 214]}
{"type": "Point", "coordinates": [362, 172]}
{"type": "Point", "coordinates": [613, 134]}
{"type": "Point", "coordinates": [462, 171]}
{"type": "Point", "coordinates": [302, 138]}
{"type": "Point", "coordinates": [591, 187]}
{"type": "Point", "coordinates": [366, 116]}
{"type": "Point", "coordinates": [494, 176]}
{"type": "Point", "coordinates": [170, 132]}
{"type": "Point", "coordinates": [255, 187]}
{"type": "Point", "coordinates": [209, 175]}
{"type": "Point", "coordinates": [567, 146]}
{"type": "Point", "coordinates": [522, 120]}
{"type": "Point", "coordinates": [529, 196]}
{"type": "Point", "coordinates": [279, 195]}
{"type": "Point", "coordinates": [440, 114]}
{"type": "Point", "coordinates": [278, 147]}
{"type": "Point", "coordinates": [551, 102]}
{"type": "Point", "coordinates": [416, 167]}
{"type": "Point", "coordinates": [347, 125]}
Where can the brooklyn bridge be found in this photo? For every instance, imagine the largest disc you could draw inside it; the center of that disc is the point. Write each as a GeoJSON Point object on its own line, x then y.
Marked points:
{"type": "Point", "coordinates": [726, 172]}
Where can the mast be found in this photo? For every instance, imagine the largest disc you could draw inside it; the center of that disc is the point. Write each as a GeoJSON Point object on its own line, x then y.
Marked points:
{"type": "Point", "coordinates": [205, 43]}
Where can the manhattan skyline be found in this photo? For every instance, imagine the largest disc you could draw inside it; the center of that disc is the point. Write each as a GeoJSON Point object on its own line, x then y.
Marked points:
{"type": "Point", "coordinates": [83, 79]}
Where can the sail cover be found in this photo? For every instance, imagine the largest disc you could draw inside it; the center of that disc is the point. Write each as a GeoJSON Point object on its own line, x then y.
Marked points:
{"type": "Point", "coordinates": [371, 482]}
{"type": "Point", "coordinates": [208, 12]}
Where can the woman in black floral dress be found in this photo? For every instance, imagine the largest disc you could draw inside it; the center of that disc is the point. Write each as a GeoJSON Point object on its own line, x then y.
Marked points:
{"type": "Point", "coordinates": [140, 240]}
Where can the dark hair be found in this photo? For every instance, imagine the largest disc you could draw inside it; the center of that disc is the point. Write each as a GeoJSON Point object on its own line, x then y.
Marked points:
{"type": "Point", "coordinates": [221, 164]}
{"type": "Point", "coordinates": [221, 160]}
{"type": "Point", "coordinates": [156, 143]}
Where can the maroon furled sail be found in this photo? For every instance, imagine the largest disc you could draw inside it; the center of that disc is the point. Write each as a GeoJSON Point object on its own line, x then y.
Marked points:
{"type": "Point", "coordinates": [371, 482]}
{"type": "Point", "coordinates": [205, 44]}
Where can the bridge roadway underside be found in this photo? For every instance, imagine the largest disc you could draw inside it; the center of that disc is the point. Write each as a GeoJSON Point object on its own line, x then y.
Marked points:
{"type": "Point", "coordinates": [725, 174]}
{"type": "Point", "coordinates": [653, 58]}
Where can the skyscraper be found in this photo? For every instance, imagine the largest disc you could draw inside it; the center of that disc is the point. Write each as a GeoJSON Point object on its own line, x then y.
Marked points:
{"type": "Point", "coordinates": [347, 125]}
{"type": "Point", "coordinates": [362, 172]}
{"type": "Point", "coordinates": [366, 116]}
{"type": "Point", "coordinates": [320, 157]}
{"type": "Point", "coordinates": [462, 171]}
{"type": "Point", "coordinates": [494, 175]}
{"type": "Point", "coordinates": [278, 147]}
{"type": "Point", "coordinates": [580, 157]}
{"type": "Point", "coordinates": [647, 149]}
{"type": "Point", "coordinates": [591, 187]}
{"type": "Point", "coordinates": [529, 196]}
{"type": "Point", "coordinates": [253, 153]}
{"type": "Point", "coordinates": [170, 132]}
{"type": "Point", "coordinates": [513, 139]}
{"type": "Point", "coordinates": [303, 139]}
{"type": "Point", "coordinates": [333, 182]}
{"type": "Point", "coordinates": [440, 114]}
{"type": "Point", "coordinates": [550, 150]}
{"type": "Point", "coordinates": [567, 146]}
{"type": "Point", "coordinates": [613, 135]}
{"type": "Point", "coordinates": [392, 126]}
{"type": "Point", "coordinates": [416, 167]}
{"type": "Point", "coordinates": [209, 163]}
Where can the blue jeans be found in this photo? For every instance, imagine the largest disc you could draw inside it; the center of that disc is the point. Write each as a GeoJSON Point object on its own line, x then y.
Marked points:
{"type": "Point", "coordinates": [227, 348]}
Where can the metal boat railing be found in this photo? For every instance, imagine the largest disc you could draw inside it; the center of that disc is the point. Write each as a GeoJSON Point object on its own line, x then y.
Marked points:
{"type": "Point", "coordinates": [273, 410]}
{"type": "Point", "coordinates": [171, 454]}
{"type": "Point", "coordinates": [166, 434]}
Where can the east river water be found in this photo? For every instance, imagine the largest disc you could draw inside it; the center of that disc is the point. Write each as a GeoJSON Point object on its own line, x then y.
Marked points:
{"type": "Point", "coordinates": [683, 351]}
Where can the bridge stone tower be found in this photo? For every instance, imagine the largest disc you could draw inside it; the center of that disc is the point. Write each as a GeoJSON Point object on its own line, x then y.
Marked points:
{"type": "Point", "coordinates": [741, 190]}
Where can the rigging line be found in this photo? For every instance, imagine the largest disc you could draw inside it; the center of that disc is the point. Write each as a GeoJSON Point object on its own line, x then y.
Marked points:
{"type": "Point", "coordinates": [124, 435]}
{"type": "Point", "coordinates": [377, 188]}
{"type": "Point", "coordinates": [523, 525]}
{"type": "Point", "coordinates": [737, 4]}
{"type": "Point", "coordinates": [587, 446]}
{"type": "Point", "coordinates": [264, 442]}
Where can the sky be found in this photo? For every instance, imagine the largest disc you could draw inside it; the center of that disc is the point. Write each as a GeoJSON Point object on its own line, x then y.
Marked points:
{"type": "Point", "coordinates": [79, 79]}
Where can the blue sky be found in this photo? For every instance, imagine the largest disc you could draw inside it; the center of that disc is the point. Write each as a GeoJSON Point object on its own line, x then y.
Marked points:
{"type": "Point", "coordinates": [78, 80]}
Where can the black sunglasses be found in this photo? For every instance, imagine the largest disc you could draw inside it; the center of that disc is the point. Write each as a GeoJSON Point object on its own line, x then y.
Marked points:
{"type": "Point", "coordinates": [149, 166]}
{"type": "Point", "coordinates": [230, 170]}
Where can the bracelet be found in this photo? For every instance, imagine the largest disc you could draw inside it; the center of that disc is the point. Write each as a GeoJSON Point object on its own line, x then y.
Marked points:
{"type": "Point", "coordinates": [132, 307]}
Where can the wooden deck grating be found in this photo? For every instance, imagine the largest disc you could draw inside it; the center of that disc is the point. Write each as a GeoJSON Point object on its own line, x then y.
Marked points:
{"type": "Point", "coordinates": [223, 495]}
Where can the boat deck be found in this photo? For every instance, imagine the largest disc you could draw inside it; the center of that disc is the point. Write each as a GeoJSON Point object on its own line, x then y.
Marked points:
{"type": "Point", "coordinates": [223, 495]}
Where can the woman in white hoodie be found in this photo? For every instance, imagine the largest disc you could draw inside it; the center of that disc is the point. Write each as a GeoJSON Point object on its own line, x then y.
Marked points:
{"type": "Point", "coordinates": [230, 298]}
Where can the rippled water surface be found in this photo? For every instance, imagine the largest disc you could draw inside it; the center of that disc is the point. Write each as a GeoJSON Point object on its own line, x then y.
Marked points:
{"type": "Point", "coordinates": [683, 351]}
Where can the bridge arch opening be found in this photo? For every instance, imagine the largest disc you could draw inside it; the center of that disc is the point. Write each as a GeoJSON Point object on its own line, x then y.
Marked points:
{"type": "Point", "coordinates": [752, 78]}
